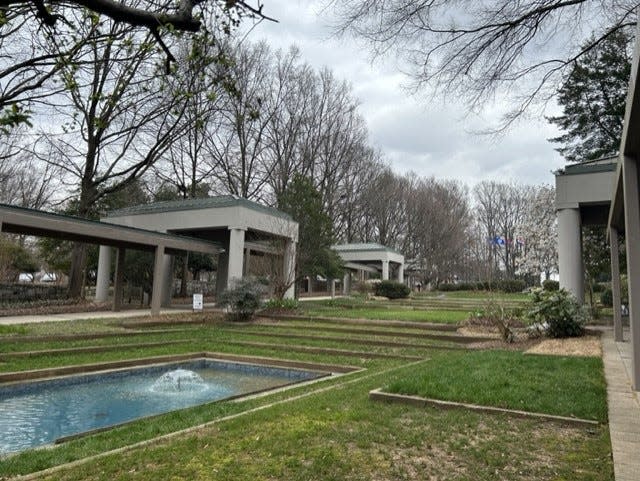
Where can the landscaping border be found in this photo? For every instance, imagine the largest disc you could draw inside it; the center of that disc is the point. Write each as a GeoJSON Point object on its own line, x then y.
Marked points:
{"type": "Point", "coordinates": [417, 401]}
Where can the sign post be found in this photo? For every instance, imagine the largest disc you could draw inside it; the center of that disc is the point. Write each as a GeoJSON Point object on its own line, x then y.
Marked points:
{"type": "Point", "coordinates": [197, 302]}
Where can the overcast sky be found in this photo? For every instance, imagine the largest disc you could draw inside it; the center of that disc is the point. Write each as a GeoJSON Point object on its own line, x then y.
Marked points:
{"type": "Point", "coordinates": [431, 138]}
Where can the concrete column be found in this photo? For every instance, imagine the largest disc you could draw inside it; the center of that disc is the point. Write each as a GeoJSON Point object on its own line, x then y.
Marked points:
{"type": "Point", "coordinates": [346, 283]}
{"type": "Point", "coordinates": [247, 260]}
{"type": "Point", "coordinates": [158, 277]}
{"type": "Point", "coordinates": [385, 270]}
{"type": "Point", "coordinates": [401, 273]}
{"type": "Point", "coordinates": [167, 280]}
{"type": "Point", "coordinates": [332, 284]}
{"type": "Point", "coordinates": [236, 255]}
{"type": "Point", "coordinates": [570, 252]}
{"type": "Point", "coordinates": [104, 272]}
{"type": "Point", "coordinates": [289, 268]}
{"type": "Point", "coordinates": [118, 280]}
{"type": "Point", "coordinates": [615, 284]}
{"type": "Point", "coordinates": [221, 273]}
{"type": "Point", "coordinates": [632, 237]}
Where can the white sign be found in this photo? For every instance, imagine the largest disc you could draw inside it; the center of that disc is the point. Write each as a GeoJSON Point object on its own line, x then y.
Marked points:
{"type": "Point", "coordinates": [197, 302]}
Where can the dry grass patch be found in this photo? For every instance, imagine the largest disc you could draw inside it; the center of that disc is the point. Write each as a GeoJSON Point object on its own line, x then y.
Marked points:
{"type": "Point", "coordinates": [573, 346]}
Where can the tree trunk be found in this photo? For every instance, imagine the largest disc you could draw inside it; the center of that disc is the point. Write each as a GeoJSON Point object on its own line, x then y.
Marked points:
{"type": "Point", "coordinates": [76, 273]}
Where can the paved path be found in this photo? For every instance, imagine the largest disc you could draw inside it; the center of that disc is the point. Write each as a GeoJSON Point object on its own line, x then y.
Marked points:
{"type": "Point", "coordinates": [86, 315]}
{"type": "Point", "coordinates": [624, 408]}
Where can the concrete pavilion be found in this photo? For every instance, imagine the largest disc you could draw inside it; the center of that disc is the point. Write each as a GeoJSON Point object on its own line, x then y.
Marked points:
{"type": "Point", "coordinates": [583, 197]}
{"type": "Point", "coordinates": [364, 258]}
{"type": "Point", "coordinates": [237, 225]}
{"type": "Point", "coordinates": [590, 184]}
{"type": "Point", "coordinates": [18, 220]}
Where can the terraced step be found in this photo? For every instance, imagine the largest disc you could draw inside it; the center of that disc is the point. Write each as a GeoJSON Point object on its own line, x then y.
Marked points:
{"type": "Point", "coordinates": [388, 333]}
{"type": "Point", "coordinates": [326, 350]}
{"type": "Point", "coordinates": [427, 326]}
{"type": "Point", "coordinates": [350, 340]}
{"type": "Point", "coordinates": [88, 349]}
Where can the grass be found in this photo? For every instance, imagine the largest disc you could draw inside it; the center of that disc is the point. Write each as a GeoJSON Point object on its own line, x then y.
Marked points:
{"type": "Point", "coordinates": [334, 431]}
{"type": "Point", "coordinates": [513, 296]}
{"type": "Point", "coordinates": [386, 313]}
{"type": "Point", "coordinates": [565, 386]}
{"type": "Point", "coordinates": [12, 329]}
{"type": "Point", "coordinates": [340, 434]}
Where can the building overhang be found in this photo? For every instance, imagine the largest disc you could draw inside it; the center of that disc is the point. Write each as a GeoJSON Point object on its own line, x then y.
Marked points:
{"type": "Point", "coordinates": [19, 220]}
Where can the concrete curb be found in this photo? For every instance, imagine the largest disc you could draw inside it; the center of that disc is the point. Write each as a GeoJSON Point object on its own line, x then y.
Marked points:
{"type": "Point", "coordinates": [417, 401]}
{"type": "Point", "coordinates": [426, 326]}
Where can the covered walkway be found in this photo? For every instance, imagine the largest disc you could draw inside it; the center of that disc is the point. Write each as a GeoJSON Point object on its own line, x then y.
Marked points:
{"type": "Point", "coordinates": [18, 220]}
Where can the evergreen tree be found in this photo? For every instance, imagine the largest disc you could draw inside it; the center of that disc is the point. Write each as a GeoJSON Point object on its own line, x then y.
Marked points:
{"type": "Point", "coordinates": [303, 202]}
{"type": "Point", "coordinates": [593, 98]}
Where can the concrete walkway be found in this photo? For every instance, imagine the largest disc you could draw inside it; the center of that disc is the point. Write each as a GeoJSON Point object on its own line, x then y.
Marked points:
{"type": "Point", "coordinates": [624, 408]}
{"type": "Point", "coordinates": [28, 319]}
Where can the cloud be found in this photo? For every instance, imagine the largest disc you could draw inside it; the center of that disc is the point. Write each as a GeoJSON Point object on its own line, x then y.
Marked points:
{"type": "Point", "coordinates": [431, 137]}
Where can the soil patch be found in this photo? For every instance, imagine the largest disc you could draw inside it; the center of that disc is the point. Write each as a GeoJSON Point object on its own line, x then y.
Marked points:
{"type": "Point", "coordinates": [588, 345]}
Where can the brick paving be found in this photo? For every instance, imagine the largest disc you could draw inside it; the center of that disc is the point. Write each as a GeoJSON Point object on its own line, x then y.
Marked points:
{"type": "Point", "coordinates": [624, 408]}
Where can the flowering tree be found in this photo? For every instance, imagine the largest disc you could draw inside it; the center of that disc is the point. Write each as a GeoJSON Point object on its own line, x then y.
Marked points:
{"type": "Point", "coordinates": [539, 233]}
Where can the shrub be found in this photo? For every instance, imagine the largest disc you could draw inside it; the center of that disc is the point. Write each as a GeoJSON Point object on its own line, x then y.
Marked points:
{"type": "Point", "coordinates": [550, 285]}
{"type": "Point", "coordinates": [494, 314]}
{"type": "Point", "coordinates": [606, 298]}
{"type": "Point", "coordinates": [392, 290]}
{"type": "Point", "coordinates": [597, 287]}
{"type": "Point", "coordinates": [511, 285]}
{"type": "Point", "coordinates": [563, 315]}
{"type": "Point", "coordinates": [288, 304]}
{"type": "Point", "coordinates": [243, 299]}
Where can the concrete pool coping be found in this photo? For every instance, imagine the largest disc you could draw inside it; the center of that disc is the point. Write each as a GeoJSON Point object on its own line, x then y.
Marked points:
{"type": "Point", "coordinates": [40, 374]}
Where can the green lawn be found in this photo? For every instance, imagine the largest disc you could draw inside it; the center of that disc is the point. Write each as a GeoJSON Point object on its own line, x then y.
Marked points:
{"type": "Point", "coordinates": [514, 296]}
{"type": "Point", "coordinates": [565, 386]}
{"type": "Point", "coordinates": [386, 313]}
{"type": "Point", "coordinates": [330, 430]}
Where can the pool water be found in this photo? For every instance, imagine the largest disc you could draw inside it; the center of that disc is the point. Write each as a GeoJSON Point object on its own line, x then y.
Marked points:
{"type": "Point", "coordinates": [37, 413]}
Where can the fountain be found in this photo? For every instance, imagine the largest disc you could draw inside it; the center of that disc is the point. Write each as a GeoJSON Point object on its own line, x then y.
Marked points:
{"type": "Point", "coordinates": [179, 380]}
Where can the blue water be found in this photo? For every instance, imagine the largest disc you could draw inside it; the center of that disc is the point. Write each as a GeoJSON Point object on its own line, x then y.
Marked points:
{"type": "Point", "coordinates": [38, 413]}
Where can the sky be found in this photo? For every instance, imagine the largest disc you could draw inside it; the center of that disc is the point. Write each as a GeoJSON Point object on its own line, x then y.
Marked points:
{"type": "Point", "coordinates": [415, 133]}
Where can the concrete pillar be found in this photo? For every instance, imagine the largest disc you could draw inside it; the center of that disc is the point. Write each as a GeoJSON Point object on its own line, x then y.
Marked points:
{"type": "Point", "coordinates": [118, 278]}
{"type": "Point", "coordinates": [236, 255]}
{"type": "Point", "coordinates": [247, 260]}
{"type": "Point", "coordinates": [158, 277]}
{"type": "Point", "coordinates": [104, 273]}
{"type": "Point", "coordinates": [289, 268]}
{"type": "Point", "coordinates": [385, 270]}
{"type": "Point", "coordinates": [615, 284]}
{"type": "Point", "coordinates": [332, 284]}
{"type": "Point", "coordinates": [221, 273]}
{"type": "Point", "coordinates": [346, 283]}
{"type": "Point", "coordinates": [167, 280]}
{"type": "Point", "coordinates": [570, 252]}
{"type": "Point", "coordinates": [401, 273]}
{"type": "Point", "coordinates": [632, 238]}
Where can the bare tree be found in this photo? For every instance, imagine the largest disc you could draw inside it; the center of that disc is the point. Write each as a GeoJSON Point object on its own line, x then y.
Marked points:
{"type": "Point", "coordinates": [27, 69]}
{"type": "Point", "coordinates": [438, 222]}
{"type": "Point", "coordinates": [238, 143]}
{"type": "Point", "coordinates": [500, 210]}
{"type": "Point", "coordinates": [116, 120]}
{"type": "Point", "coordinates": [477, 49]}
{"type": "Point", "coordinates": [24, 180]}
{"type": "Point", "coordinates": [154, 16]}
